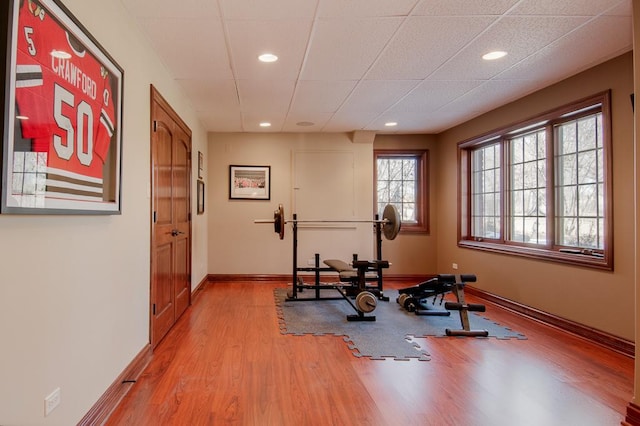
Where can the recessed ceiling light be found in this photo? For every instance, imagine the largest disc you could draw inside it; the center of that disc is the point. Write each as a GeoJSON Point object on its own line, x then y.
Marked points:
{"type": "Point", "coordinates": [391, 124]}
{"type": "Point", "coordinates": [268, 57]}
{"type": "Point", "coordinates": [496, 54]}
{"type": "Point", "coordinates": [265, 124]}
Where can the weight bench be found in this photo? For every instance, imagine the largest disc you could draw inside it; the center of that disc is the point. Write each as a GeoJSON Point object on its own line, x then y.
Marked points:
{"type": "Point", "coordinates": [348, 273]}
{"type": "Point", "coordinates": [413, 299]}
{"type": "Point", "coordinates": [367, 272]}
{"type": "Point", "coordinates": [352, 285]}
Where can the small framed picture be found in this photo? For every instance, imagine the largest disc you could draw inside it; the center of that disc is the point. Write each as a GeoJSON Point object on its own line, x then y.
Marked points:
{"type": "Point", "coordinates": [200, 197]}
{"type": "Point", "coordinates": [249, 182]}
{"type": "Point", "coordinates": [200, 165]}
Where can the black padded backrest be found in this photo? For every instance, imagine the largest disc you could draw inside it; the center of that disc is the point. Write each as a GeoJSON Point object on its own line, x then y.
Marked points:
{"type": "Point", "coordinates": [450, 278]}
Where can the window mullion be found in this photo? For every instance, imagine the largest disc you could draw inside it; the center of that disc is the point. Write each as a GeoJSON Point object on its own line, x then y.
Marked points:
{"type": "Point", "coordinates": [469, 198]}
{"type": "Point", "coordinates": [504, 188]}
{"type": "Point", "coordinates": [551, 187]}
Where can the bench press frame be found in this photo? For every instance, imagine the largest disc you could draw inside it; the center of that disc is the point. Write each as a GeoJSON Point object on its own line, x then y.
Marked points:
{"type": "Point", "coordinates": [317, 286]}
{"type": "Point", "coordinates": [343, 288]}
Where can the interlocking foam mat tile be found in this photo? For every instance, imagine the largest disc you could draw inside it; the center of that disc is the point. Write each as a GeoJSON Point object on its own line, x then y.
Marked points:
{"type": "Point", "coordinates": [389, 337]}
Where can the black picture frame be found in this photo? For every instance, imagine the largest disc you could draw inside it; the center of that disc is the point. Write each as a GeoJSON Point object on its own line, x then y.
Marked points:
{"type": "Point", "coordinates": [249, 182]}
{"type": "Point", "coordinates": [200, 206]}
{"type": "Point", "coordinates": [62, 116]}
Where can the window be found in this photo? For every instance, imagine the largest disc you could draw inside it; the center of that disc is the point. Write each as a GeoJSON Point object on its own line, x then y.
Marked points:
{"type": "Point", "coordinates": [542, 188]}
{"type": "Point", "coordinates": [485, 191]}
{"type": "Point", "coordinates": [402, 180]}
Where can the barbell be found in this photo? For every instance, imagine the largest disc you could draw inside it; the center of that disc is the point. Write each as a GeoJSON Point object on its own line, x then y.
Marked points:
{"type": "Point", "coordinates": [390, 221]}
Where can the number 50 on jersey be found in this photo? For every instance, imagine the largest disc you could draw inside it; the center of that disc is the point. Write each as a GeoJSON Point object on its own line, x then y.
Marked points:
{"type": "Point", "coordinates": [63, 109]}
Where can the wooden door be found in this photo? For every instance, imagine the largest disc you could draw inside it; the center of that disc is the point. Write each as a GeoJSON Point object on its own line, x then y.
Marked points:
{"type": "Point", "coordinates": [171, 217]}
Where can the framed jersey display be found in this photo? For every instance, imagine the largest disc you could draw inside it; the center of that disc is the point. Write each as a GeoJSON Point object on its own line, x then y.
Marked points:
{"type": "Point", "coordinates": [62, 116]}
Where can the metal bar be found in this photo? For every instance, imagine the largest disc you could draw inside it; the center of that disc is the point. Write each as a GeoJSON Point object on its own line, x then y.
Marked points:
{"type": "Point", "coordinates": [464, 315]}
{"type": "Point", "coordinates": [295, 259]}
{"type": "Point", "coordinates": [294, 220]}
{"type": "Point", "coordinates": [379, 251]}
{"type": "Point", "coordinates": [345, 297]}
{"type": "Point", "coordinates": [317, 275]}
{"type": "Point", "coordinates": [337, 221]}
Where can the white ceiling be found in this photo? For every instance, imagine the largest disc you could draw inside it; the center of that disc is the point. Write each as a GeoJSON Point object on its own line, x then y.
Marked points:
{"type": "Point", "coordinates": [348, 65]}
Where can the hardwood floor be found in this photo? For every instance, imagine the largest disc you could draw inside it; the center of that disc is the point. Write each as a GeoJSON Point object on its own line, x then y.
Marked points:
{"type": "Point", "coordinates": [226, 362]}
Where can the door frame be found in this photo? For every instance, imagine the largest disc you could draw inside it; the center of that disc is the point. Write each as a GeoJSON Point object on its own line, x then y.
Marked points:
{"type": "Point", "coordinates": [157, 100]}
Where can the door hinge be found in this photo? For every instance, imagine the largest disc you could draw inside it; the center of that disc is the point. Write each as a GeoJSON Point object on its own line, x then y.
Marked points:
{"type": "Point", "coordinates": [155, 126]}
{"type": "Point", "coordinates": [153, 309]}
{"type": "Point", "coordinates": [189, 217]}
{"type": "Point", "coordinates": [155, 216]}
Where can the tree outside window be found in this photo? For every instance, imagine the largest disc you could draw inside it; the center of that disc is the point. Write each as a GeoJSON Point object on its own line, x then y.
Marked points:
{"type": "Point", "coordinates": [401, 180]}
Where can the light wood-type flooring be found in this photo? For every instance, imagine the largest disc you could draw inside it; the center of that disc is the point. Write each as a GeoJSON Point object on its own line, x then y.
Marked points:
{"type": "Point", "coordinates": [226, 362]}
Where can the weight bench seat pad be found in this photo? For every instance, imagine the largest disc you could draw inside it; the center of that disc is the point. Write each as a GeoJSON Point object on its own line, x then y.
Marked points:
{"type": "Point", "coordinates": [338, 265]}
{"type": "Point", "coordinates": [346, 271]}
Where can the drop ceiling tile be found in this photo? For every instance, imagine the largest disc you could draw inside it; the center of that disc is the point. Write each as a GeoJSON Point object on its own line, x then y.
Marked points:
{"type": "Point", "coordinates": [376, 96]}
{"type": "Point", "coordinates": [228, 120]}
{"type": "Point", "coordinates": [430, 95]}
{"type": "Point", "coordinates": [349, 121]}
{"type": "Point", "coordinates": [344, 49]}
{"type": "Point", "coordinates": [319, 119]}
{"type": "Point", "coordinates": [623, 8]}
{"type": "Point", "coordinates": [562, 8]}
{"type": "Point", "coordinates": [271, 98]}
{"type": "Point", "coordinates": [271, 9]}
{"type": "Point", "coordinates": [190, 48]}
{"type": "Point", "coordinates": [364, 8]}
{"type": "Point", "coordinates": [321, 96]}
{"type": "Point", "coordinates": [285, 38]}
{"type": "Point", "coordinates": [251, 122]}
{"type": "Point", "coordinates": [393, 44]}
{"type": "Point", "coordinates": [463, 7]}
{"type": "Point", "coordinates": [213, 95]}
{"type": "Point", "coordinates": [489, 95]}
{"type": "Point", "coordinates": [545, 67]}
{"type": "Point", "coordinates": [195, 9]}
{"type": "Point", "coordinates": [441, 120]}
{"type": "Point", "coordinates": [423, 44]}
{"type": "Point", "coordinates": [411, 123]}
{"type": "Point", "coordinates": [519, 36]}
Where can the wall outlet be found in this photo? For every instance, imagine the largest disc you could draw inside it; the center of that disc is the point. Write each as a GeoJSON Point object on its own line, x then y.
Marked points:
{"type": "Point", "coordinates": [311, 262]}
{"type": "Point", "coordinates": [454, 265]}
{"type": "Point", "coordinates": [51, 401]}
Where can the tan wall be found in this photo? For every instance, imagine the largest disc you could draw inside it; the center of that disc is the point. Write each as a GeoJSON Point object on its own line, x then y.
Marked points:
{"type": "Point", "coordinates": [602, 300]}
{"type": "Point", "coordinates": [238, 246]}
{"type": "Point", "coordinates": [414, 253]}
{"type": "Point", "coordinates": [74, 290]}
{"type": "Point", "coordinates": [636, 140]}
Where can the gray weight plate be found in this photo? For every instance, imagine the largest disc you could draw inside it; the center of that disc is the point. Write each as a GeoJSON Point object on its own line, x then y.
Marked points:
{"type": "Point", "coordinates": [391, 228]}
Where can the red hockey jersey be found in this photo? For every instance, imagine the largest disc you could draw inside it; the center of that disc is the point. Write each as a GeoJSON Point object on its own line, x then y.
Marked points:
{"type": "Point", "coordinates": [64, 97]}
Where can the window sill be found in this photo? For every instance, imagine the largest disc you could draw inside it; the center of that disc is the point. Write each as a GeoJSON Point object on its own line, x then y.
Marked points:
{"type": "Point", "coordinates": [413, 229]}
{"type": "Point", "coordinates": [588, 261]}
